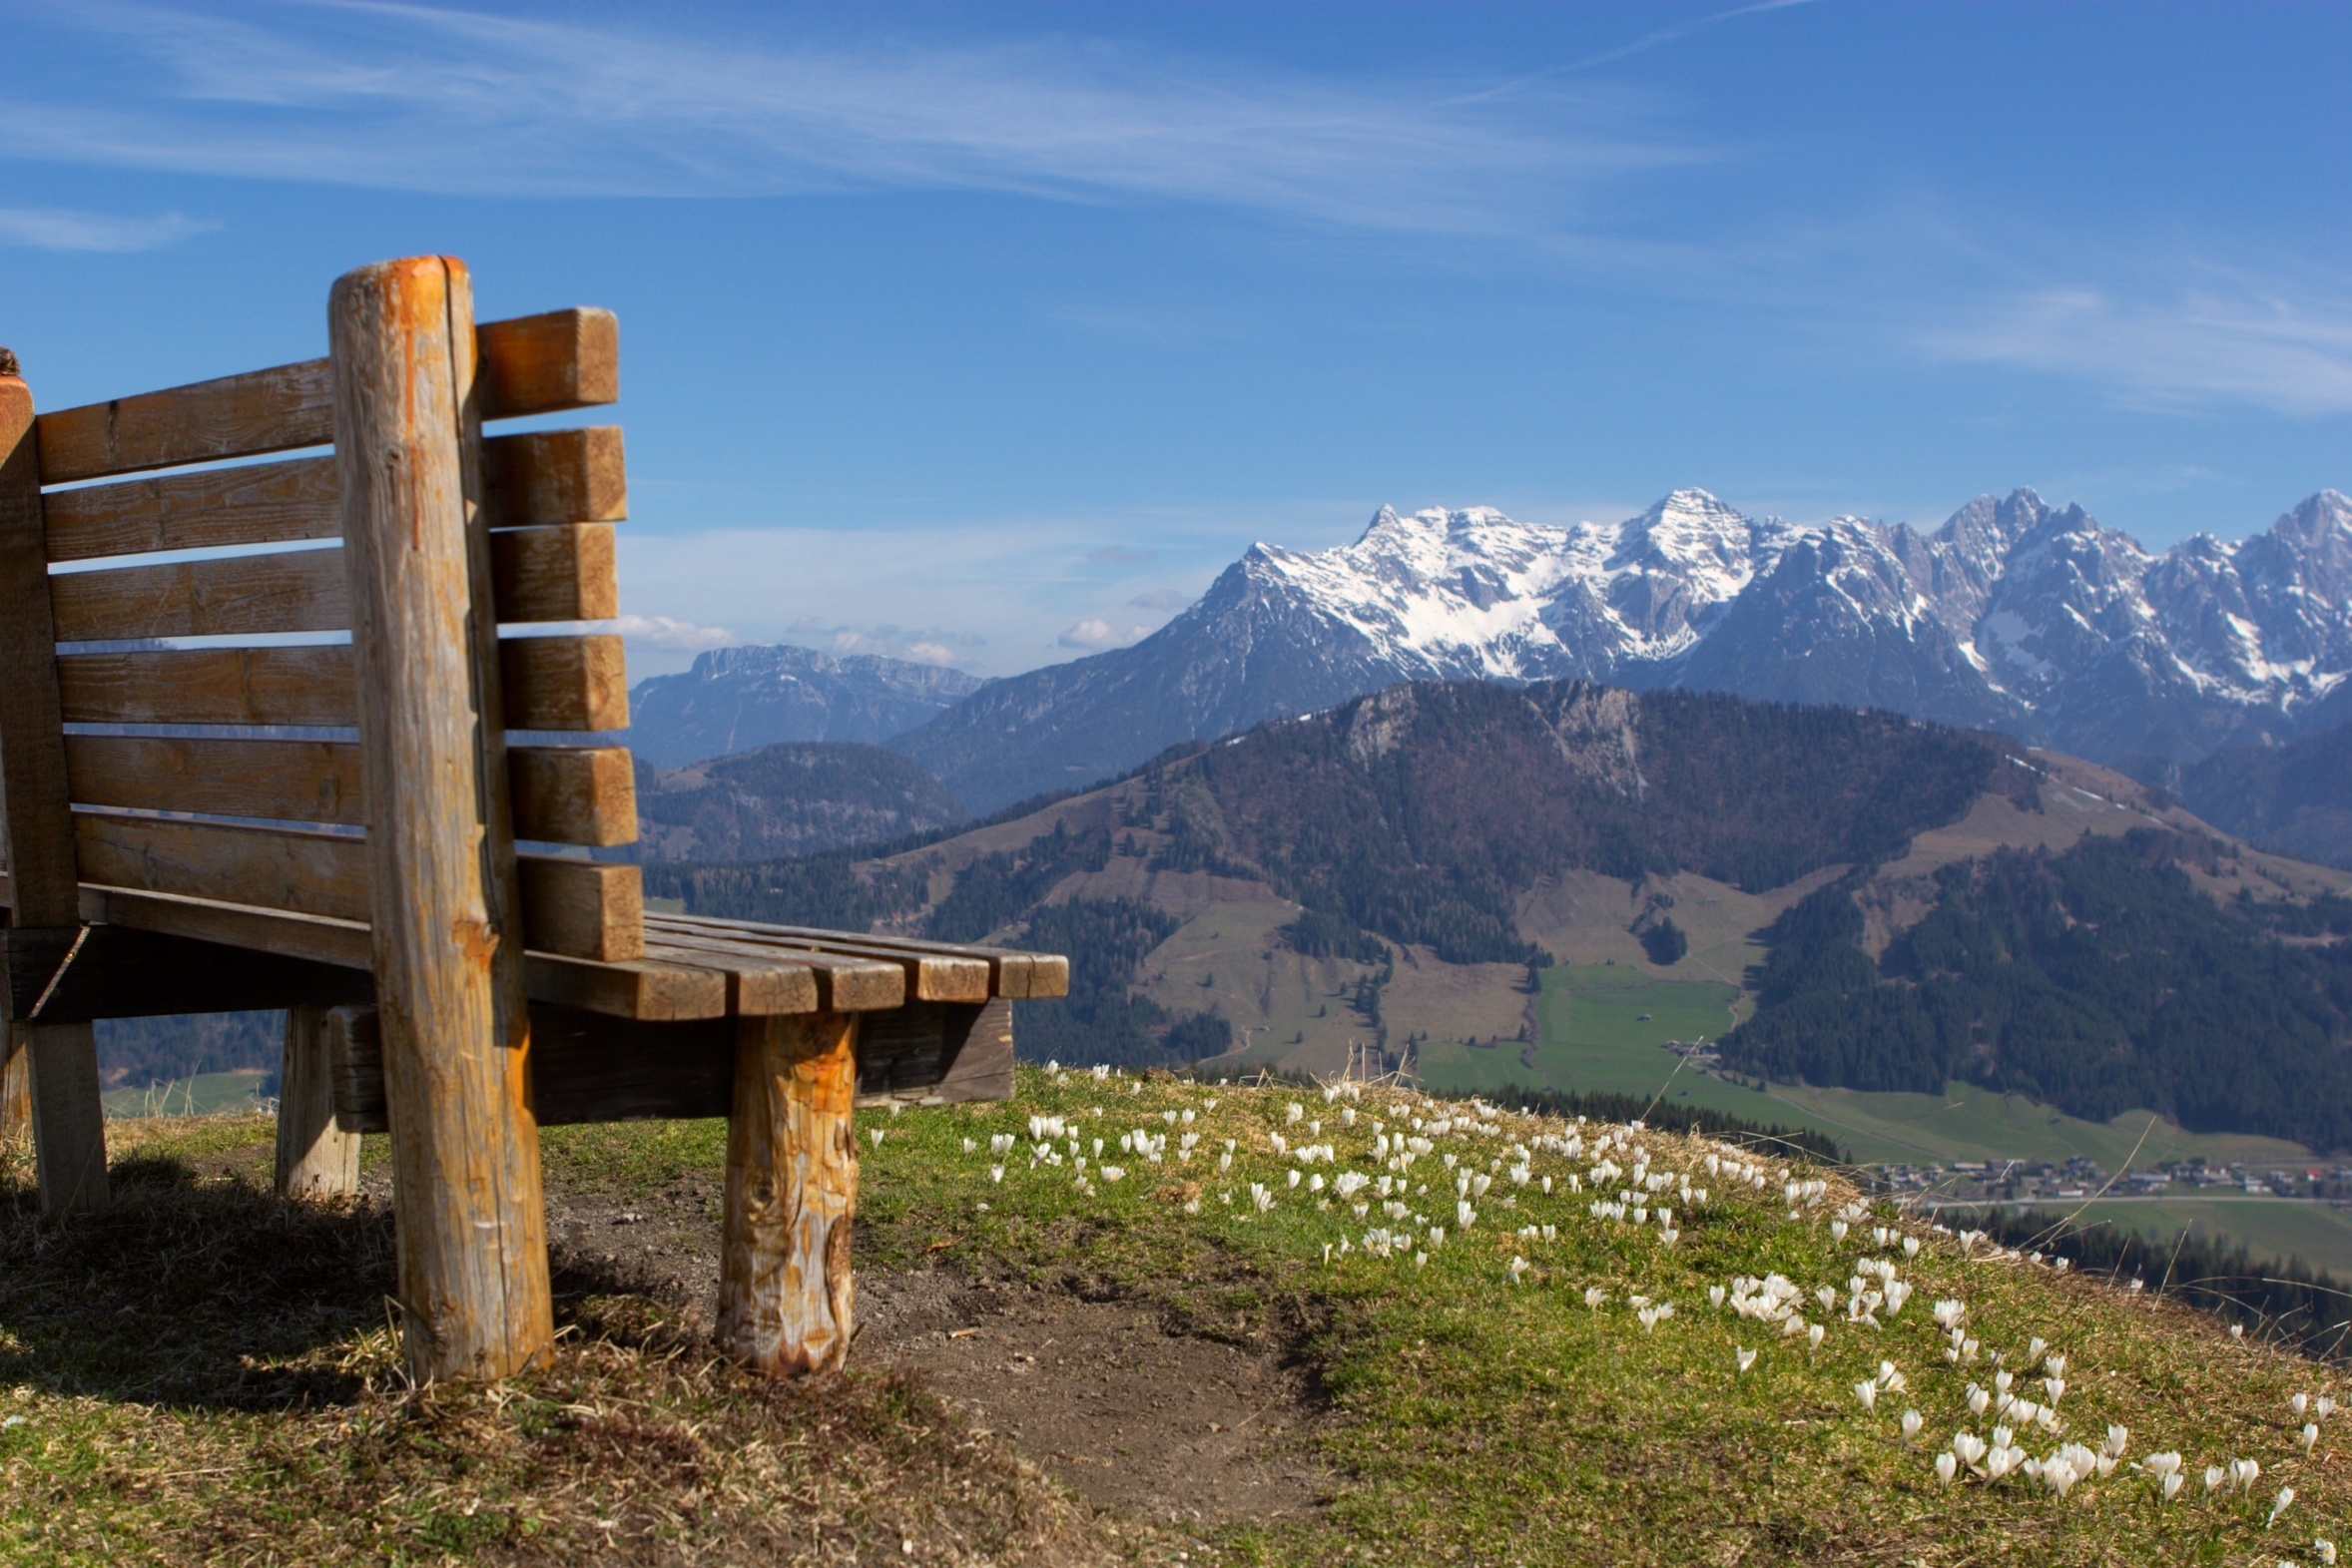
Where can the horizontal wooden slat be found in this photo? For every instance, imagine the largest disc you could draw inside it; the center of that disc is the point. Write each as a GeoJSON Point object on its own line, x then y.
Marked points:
{"type": "Point", "coordinates": [637, 989]}
{"type": "Point", "coordinates": [79, 973]}
{"type": "Point", "coordinates": [260, 686]}
{"type": "Point", "coordinates": [846, 983]}
{"type": "Point", "coordinates": [931, 976]}
{"type": "Point", "coordinates": [265, 503]}
{"type": "Point", "coordinates": [931, 1053]}
{"type": "Point", "coordinates": [543, 364]}
{"type": "Point", "coordinates": [290, 591]}
{"type": "Point", "coordinates": [271, 410]}
{"type": "Point", "coordinates": [314, 938]}
{"type": "Point", "coordinates": [1022, 975]}
{"type": "Point", "coordinates": [561, 572]}
{"type": "Point", "coordinates": [275, 868]}
{"type": "Point", "coordinates": [756, 986]}
{"type": "Point", "coordinates": [651, 991]}
{"type": "Point", "coordinates": [573, 795]}
{"type": "Point", "coordinates": [298, 781]}
{"type": "Point", "coordinates": [582, 908]}
{"type": "Point", "coordinates": [555, 477]}
{"type": "Point", "coordinates": [564, 683]}
{"type": "Point", "coordinates": [588, 1069]}
{"type": "Point", "coordinates": [561, 794]}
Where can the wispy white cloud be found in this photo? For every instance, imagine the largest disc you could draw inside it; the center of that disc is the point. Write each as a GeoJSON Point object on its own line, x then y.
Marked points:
{"type": "Point", "coordinates": [421, 99]}
{"type": "Point", "coordinates": [674, 635]}
{"type": "Point", "coordinates": [2209, 336]}
{"type": "Point", "coordinates": [1094, 635]}
{"type": "Point", "coordinates": [59, 228]}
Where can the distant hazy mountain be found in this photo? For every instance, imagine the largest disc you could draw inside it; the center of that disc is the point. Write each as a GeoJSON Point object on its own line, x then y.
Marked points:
{"type": "Point", "coordinates": [2036, 620]}
{"type": "Point", "coordinates": [786, 799]}
{"type": "Point", "coordinates": [2295, 799]}
{"type": "Point", "coordinates": [736, 699]}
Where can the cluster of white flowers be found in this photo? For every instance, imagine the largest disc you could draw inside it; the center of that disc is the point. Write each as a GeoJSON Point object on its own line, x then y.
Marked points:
{"type": "Point", "coordinates": [1627, 1175]}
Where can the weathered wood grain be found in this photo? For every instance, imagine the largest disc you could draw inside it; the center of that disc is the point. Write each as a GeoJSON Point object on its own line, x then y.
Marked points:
{"type": "Point", "coordinates": [564, 683]}
{"type": "Point", "coordinates": [555, 477]}
{"type": "Point", "coordinates": [785, 1296]}
{"type": "Point", "coordinates": [543, 364]}
{"type": "Point", "coordinates": [756, 985]}
{"type": "Point", "coordinates": [69, 1128]}
{"type": "Point", "coordinates": [582, 908]}
{"type": "Point", "coordinates": [445, 912]}
{"type": "Point", "coordinates": [659, 992]}
{"type": "Point", "coordinates": [15, 1087]}
{"type": "Point", "coordinates": [560, 572]}
{"type": "Point", "coordinates": [74, 974]}
{"type": "Point", "coordinates": [298, 781]}
{"type": "Point", "coordinates": [274, 867]}
{"type": "Point", "coordinates": [262, 503]}
{"type": "Point", "coordinates": [931, 976]}
{"type": "Point", "coordinates": [1024, 976]}
{"type": "Point", "coordinates": [62, 1061]}
{"type": "Point", "coordinates": [562, 794]}
{"type": "Point", "coordinates": [934, 1053]}
{"type": "Point", "coordinates": [573, 795]}
{"type": "Point", "coordinates": [589, 1068]}
{"type": "Point", "coordinates": [261, 411]}
{"type": "Point", "coordinates": [256, 685]}
{"type": "Point", "coordinates": [276, 932]}
{"type": "Point", "coordinates": [287, 591]}
{"type": "Point", "coordinates": [846, 983]}
{"type": "Point", "coordinates": [316, 1158]}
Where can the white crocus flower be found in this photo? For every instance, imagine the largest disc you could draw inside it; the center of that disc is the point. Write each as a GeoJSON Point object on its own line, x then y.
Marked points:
{"type": "Point", "coordinates": [2286, 1497]}
{"type": "Point", "coordinates": [1946, 1468]}
{"type": "Point", "coordinates": [1868, 1392]}
{"type": "Point", "coordinates": [1911, 1424]}
{"type": "Point", "coordinates": [1746, 1357]}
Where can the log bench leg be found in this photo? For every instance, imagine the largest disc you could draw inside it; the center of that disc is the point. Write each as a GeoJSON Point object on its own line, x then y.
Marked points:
{"type": "Point", "coordinates": [69, 1126]}
{"type": "Point", "coordinates": [316, 1158]}
{"type": "Point", "coordinates": [15, 1087]}
{"type": "Point", "coordinates": [791, 1187]}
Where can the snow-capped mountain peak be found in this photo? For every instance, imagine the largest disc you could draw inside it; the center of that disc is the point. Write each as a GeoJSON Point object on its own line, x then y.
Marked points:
{"type": "Point", "coordinates": [2016, 614]}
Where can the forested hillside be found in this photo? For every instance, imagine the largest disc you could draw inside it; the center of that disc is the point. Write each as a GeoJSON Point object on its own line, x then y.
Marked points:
{"type": "Point", "coordinates": [2096, 979]}
{"type": "Point", "coordinates": [2295, 799]}
{"type": "Point", "coordinates": [792, 799]}
{"type": "Point", "coordinates": [1421, 813]}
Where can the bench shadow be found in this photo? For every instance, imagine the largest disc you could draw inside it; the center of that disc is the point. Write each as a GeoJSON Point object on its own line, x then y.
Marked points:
{"type": "Point", "coordinates": [202, 1292]}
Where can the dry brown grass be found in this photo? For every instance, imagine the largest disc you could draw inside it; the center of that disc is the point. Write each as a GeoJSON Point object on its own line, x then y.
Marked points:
{"type": "Point", "coordinates": [205, 1374]}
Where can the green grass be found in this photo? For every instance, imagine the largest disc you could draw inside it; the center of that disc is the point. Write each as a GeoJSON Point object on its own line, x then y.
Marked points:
{"type": "Point", "coordinates": [2271, 1228]}
{"type": "Point", "coordinates": [1466, 1418]}
{"type": "Point", "coordinates": [206, 1094]}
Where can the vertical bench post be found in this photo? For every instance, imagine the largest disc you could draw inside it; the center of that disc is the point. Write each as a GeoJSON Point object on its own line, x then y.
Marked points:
{"type": "Point", "coordinates": [785, 1293]}
{"type": "Point", "coordinates": [15, 1087]}
{"type": "Point", "coordinates": [446, 924]}
{"type": "Point", "coordinates": [69, 1130]}
{"type": "Point", "coordinates": [316, 1158]}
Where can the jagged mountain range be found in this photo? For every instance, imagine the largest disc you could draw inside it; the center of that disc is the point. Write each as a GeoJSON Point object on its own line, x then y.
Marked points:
{"type": "Point", "coordinates": [2015, 615]}
{"type": "Point", "coordinates": [740, 699]}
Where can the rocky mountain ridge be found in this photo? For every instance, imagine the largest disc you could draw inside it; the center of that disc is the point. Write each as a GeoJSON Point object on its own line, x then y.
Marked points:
{"type": "Point", "coordinates": [2015, 615]}
{"type": "Point", "coordinates": [739, 699]}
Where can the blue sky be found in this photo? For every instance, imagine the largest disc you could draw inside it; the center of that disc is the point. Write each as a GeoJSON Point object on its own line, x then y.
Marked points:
{"type": "Point", "coordinates": [987, 334]}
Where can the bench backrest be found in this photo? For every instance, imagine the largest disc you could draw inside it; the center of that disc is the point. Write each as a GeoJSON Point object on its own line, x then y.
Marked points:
{"type": "Point", "coordinates": [263, 809]}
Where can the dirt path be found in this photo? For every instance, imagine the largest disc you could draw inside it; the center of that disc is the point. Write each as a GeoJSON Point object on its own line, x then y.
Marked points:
{"type": "Point", "coordinates": [1170, 1428]}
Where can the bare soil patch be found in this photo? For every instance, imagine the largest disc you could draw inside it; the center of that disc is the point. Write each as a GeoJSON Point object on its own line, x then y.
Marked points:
{"type": "Point", "coordinates": [1170, 1428]}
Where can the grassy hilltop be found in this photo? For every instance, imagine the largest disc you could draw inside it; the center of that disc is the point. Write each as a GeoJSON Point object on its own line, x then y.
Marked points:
{"type": "Point", "coordinates": [205, 1374]}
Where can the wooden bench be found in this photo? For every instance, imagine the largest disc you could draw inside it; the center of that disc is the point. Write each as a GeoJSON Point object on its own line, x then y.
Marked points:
{"type": "Point", "coordinates": [254, 752]}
